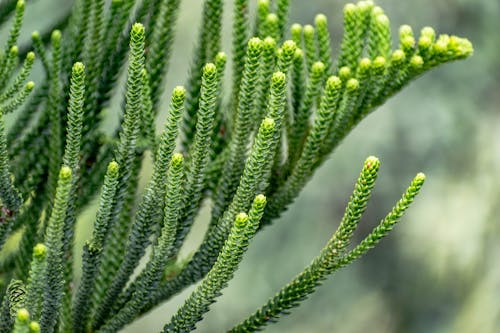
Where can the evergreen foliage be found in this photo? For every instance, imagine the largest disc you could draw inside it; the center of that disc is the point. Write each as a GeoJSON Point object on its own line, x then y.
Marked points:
{"type": "Point", "coordinates": [247, 153]}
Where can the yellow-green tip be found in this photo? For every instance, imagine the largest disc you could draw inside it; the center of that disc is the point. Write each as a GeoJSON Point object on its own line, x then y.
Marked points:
{"type": "Point", "coordinates": [382, 19]}
{"type": "Point", "coordinates": [269, 43]}
{"type": "Point", "coordinates": [268, 124]}
{"type": "Point", "coordinates": [209, 69]}
{"type": "Point", "coordinates": [179, 92]}
{"type": "Point", "coordinates": [308, 30]}
{"type": "Point", "coordinates": [289, 47]}
{"type": "Point", "coordinates": [350, 9]}
{"type": "Point", "coordinates": [379, 62]}
{"type": "Point", "coordinates": [376, 11]}
{"type": "Point", "coordinates": [461, 47]}
{"type": "Point", "coordinates": [420, 177]}
{"type": "Point", "coordinates": [321, 20]}
{"type": "Point", "coordinates": [56, 36]}
{"type": "Point", "coordinates": [177, 159]}
{"type": "Point", "coordinates": [34, 327]}
{"type": "Point", "coordinates": [372, 162]}
{"type": "Point", "coordinates": [40, 250]}
{"type": "Point", "coordinates": [221, 57]}
{"type": "Point", "coordinates": [260, 200]}
{"type": "Point", "coordinates": [352, 84]}
{"type": "Point", "coordinates": [65, 173]}
{"type": "Point", "coordinates": [78, 67]}
{"type": "Point", "coordinates": [424, 42]}
{"type": "Point", "coordinates": [30, 85]}
{"type": "Point", "coordinates": [365, 64]}
{"type": "Point", "coordinates": [344, 73]}
{"type": "Point", "coordinates": [30, 56]}
{"type": "Point", "coordinates": [241, 220]}
{"type": "Point", "coordinates": [365, 6]}
{"type": "Point", "coordinates": [113, 167]}
{"type": "Point", "coordinates": [23, 315]}
{"type": "Point", "coordinates": [318, 67]}
{"type": "Point", "coordinates": [408, 42]}
{"type": "Point", "coordinates": [137, 28]}
{"type": "Point", "coordinates": [397, 56]}
{"type": "Point", "coordinates": [296, 29]}
{"type": "Point", "coordinates": [416, 62]}
{"type": "Point", "coordinates": [405, 30]}
{"type": "Point", "coordinates": [428, 32]}
{"type": "Point", "coordinates": [255, 43]}
{"type": "Point", "coordinates": [272, 18]}
{"type": "Point", "coordinates": [333, 83]}
{"type": "Point", "coordinates": [278, 78]}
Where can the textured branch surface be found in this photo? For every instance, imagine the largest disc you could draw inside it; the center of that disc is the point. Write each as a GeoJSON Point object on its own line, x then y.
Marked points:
{"type": "Point", "coordinates": [248, 146]}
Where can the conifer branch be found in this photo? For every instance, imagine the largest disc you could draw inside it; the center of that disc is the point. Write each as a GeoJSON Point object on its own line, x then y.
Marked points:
{"type": "Point", "coordinates": [332, 256]}
{"type": "Point", "coordinates": [35, 286]}
{"type": "Point", "coordinates": [147, 281]}
{"type": "Point", "coordinates": [54, 279]}
{"type": "Point", "coordinates": [263, 11]}
{"type": "Point", "coordinates": [20, 78]}
{"type": "Point", "coordinates": [235, 161]}
{"type": "Point", "coordinates": [311, 53]}
{"type": "Point", "coordinates": [13, 301]}
{"type": "Point", "coordinates": [198, 303]}
{"type": "Point", "coordinates": [290, 105]}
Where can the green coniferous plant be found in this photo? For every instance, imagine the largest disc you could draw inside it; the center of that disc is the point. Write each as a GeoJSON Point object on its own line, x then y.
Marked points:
{"type": "Point", "coordinates": [248, 151]}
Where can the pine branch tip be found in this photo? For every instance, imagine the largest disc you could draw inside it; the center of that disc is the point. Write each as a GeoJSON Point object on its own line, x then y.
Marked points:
{"type": "Point", "coordinates": [321, 20]}
{"type": "Point", "coordinates": [137, 29]}
{"type": "Point", "coordinates": [55, 37]}
{"type": "Point", "coordinates": [241, 220]}
{"type": "Point", "coordinates": [318, 67]}
{"type": "Point", "coordinates": [209, 70]}
{"type": "Point", "coordinates": [30, 56]}
{"type": "Point", "coordinates": [350, 9]}
{"type": "Point", "coordinates": [23, 315]}
{"type": "Point", "coordinates": [40, 251]}
{"type": "Point", "coordinates": [333, 83]}
{"type": "Point", "coordinates": [254, 44]}
{"type": "Point", "coordinates": [398, 56]}
{"type": "Point", "coordinates": [177, 159]}
{"type": "Point", "coordinates": [113, 168]}
{"type": "Point", "coordinates": [268, 124]}
{"type": "Point", "coordinates": [34, 327]}
{"type": "Point", "coordinates": [379, 62]}
{"type": "Point", "coordinates": [352, 84]}
{"type": "Point", "coordinates": [420, 178]}
{"type": "Point", "coordinates": [296, 29]}
{"type": "Point", "coordinates": [260, 200]}
{"type": "Point", "coordinates": [278, 78]}
{"type": "Point", "coordinates": [345, 73]}
{"type": "Point", "coordinates": [221, 57]}
{"type": "Point", "coordinates": [372, 162]}
{"type": "Point", "coordinates": [65, 173]}
{"type": "Point", "coordinates": [365, 64]}
{"type": "Point", "coordinates": [377, 11]}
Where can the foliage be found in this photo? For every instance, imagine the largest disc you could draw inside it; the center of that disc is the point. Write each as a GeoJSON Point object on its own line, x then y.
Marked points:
{"type": "Point", "coordinates": [248, 152]}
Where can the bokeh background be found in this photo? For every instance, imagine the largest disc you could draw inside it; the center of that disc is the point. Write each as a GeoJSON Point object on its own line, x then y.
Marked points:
{"type": "Point", "coordinates": [439, 270]}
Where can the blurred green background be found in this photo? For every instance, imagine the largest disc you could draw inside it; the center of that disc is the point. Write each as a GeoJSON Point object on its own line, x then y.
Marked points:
{"type": "Point", "coordinates": [438, 271]}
